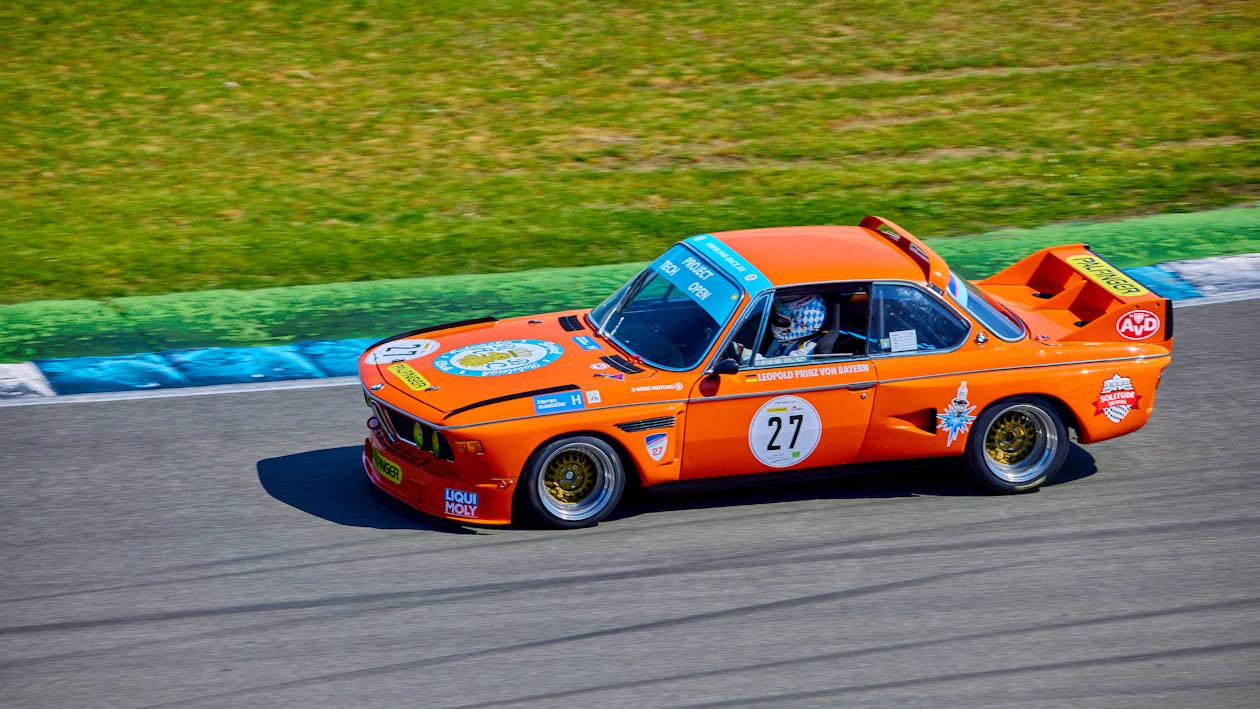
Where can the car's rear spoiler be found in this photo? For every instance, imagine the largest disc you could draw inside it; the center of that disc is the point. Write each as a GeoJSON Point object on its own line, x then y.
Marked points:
{"type": "Point", "coordinates": [1070, 293]}
{"type": "Point", "coordinates": [935, 272]}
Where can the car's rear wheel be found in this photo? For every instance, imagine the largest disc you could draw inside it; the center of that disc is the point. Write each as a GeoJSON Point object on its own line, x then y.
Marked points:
{"type": "Point", "coordinates": [574, 482]}
{"type": "Point", "coordinates": [1017, 445]}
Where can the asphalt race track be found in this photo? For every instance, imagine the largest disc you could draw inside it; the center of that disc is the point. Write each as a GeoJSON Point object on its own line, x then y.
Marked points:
{"type": "Point", "coordinates": [226, 550]}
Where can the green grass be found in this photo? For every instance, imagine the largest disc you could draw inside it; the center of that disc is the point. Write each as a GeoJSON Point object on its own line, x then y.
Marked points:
{"type": "Point", "coordinates": [178, 146]}
{"type": "Point", "coordinates": [373, 309]}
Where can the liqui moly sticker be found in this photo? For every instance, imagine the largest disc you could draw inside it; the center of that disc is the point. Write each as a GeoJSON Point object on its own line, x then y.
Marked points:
{"type": "Point", "coordinates": [1137, 324]}
{"type": "Point", "coordinates": [657, 444]}
{"type": "Point", "coordinates": [1117, 398]}
{"type": "Point", "coordinates": [460, 503]}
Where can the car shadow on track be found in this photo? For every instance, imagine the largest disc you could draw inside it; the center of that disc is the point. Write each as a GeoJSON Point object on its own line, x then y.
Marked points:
{"type": "Point", "coordinates": [944, 477]}
{"type": "Point", "coordinates": [331, 484]}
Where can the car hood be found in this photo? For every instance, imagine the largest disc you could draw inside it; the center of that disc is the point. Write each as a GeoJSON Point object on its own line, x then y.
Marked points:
{"type": "Point", "coordinates": [487, 370]}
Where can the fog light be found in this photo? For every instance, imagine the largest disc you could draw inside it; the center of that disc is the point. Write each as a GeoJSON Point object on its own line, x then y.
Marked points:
{"type": "Point", "coordinates": [469, 447]}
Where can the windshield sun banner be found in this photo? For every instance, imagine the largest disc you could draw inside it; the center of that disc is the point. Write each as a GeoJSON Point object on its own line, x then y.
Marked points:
{"type": "Point", "coordinates": [697, 278]}
{"type": "Point", "coordinates": [717, 281]}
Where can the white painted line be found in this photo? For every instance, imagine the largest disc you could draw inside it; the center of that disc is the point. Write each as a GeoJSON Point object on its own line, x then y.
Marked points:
{"type": "Point", "coordinates": [1219, 275]}
{"type": "Point", "coordinates": [1214, 299]}
{"type": "Point", "coordinates": [186, 391]}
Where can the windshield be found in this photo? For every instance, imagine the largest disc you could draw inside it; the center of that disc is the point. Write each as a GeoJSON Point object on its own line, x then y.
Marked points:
{"type": "Point", "coordinates": [999, 320]}
{"type": "Point", "coordinates": [670, 314]}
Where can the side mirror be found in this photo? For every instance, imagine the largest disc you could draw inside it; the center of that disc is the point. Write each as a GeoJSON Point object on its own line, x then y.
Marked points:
{"type": "Point", "coordinates": [724, 366]}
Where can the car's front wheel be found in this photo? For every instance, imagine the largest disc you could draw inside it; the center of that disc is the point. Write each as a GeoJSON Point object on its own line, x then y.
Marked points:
{"type": "Point", "coordinates": [573, 482]}
{"type": "Point", "coordinates": [1017, 445]}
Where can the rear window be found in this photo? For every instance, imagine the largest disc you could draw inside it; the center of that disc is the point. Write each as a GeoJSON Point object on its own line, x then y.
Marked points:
{"type": "Point", "coordinates": [998, 320]}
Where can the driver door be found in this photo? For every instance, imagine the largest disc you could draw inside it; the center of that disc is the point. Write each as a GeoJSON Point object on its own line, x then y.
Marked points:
{"type": "Point", "coordinates": [775, 415]}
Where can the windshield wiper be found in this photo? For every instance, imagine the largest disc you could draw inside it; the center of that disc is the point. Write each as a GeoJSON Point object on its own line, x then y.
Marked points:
{"type": "Point", "coordinates": [631, 290]}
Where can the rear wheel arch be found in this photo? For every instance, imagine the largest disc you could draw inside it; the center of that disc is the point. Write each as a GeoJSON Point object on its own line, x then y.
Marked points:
{"type": "Point", "coordinates": [1065, 412]}
{"type": "Point", "coordinates": [1018, 443]}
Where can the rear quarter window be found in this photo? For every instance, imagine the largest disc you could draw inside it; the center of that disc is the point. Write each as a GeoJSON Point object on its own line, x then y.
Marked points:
{"type": "Point", "coordinates": [906, 319]}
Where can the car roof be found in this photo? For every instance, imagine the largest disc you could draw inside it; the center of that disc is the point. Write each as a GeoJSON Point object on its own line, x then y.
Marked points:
{"type": "Point", "coordinates": [812, 254]}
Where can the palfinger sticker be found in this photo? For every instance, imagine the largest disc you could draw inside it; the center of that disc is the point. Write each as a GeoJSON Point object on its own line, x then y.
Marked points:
{"type": "Point", "coordinates": [784, 431]}
{"type": "Point", "coordinates": [957, 418]}
{"type": "Point", "coordinates": [409, 376]}
{"type": "Point", "coordinates": [401, 350]}
{"type": "Point", "coordinates": [1106, 275]}
{"type": "Point", "coordinates": [490, 359]}
{"type": "Point", "coordinates": [1117, 398]}
{"type": "Point", "coordinates": [386, 468]}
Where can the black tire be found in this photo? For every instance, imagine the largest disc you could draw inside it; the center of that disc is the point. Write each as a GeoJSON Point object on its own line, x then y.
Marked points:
{"type": "Point", "coordinates": [573, 482]}
{"type": "Point", "coordinates": [1017, 445]}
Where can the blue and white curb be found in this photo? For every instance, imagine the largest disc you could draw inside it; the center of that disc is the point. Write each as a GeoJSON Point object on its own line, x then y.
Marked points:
{"type": "Point", "coordinates": [321, 359]}
{"type": "Point", "coordinates": [1187, 282]}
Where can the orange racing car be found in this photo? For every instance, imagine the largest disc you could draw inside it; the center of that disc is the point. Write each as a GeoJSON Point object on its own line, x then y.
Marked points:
{"type": "Point", "coordinates": [763, 351]}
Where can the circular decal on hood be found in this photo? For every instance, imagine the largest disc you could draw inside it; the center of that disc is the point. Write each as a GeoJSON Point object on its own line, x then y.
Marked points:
{"type": "Point", "coordinates": [490, 359]}
{"type": "Point", "coordinates": [402, 350]}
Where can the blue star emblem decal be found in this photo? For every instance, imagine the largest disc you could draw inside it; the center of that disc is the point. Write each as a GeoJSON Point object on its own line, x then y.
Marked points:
{"type": "Point", "coordinates": [957, 417]}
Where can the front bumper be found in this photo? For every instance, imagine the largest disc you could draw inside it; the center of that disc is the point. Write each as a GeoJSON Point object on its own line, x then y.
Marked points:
{"type": "Point", "coordinates": [416, 478]}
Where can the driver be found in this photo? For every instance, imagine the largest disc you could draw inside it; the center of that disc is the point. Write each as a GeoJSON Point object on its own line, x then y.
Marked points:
{"type": "Point", "coordinates": [796, 324]}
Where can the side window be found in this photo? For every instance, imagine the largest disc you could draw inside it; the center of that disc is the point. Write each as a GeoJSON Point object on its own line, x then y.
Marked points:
{"type": "Point", "coordinates": [907, 319]}
{"type": "Point", "coordinates": [819, 322]}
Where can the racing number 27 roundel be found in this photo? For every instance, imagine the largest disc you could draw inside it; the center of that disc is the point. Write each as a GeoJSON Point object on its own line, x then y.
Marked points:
{"type": "Point", "coordinates": [784, 431]}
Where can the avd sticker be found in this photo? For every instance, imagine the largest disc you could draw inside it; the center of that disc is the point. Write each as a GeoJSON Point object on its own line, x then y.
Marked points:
{"type": "Point", "coordinates": [784, 431]}
{"type": "Point", "coordinates": [490, 359]}
{"type": "Point", "coordinates": [400, 350]}
{"type": "Point", "coordinates": [1137, 324]}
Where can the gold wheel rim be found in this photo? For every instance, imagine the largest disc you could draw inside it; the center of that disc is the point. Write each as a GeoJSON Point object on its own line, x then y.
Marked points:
{"type": "Point", "coordinates": [571, 477]}
{"type": "Point", "coordinates": [1012, 438]}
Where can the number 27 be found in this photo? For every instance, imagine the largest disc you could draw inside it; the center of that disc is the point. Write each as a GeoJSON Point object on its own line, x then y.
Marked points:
{"type": "Point", "coordinates": [776, 423]}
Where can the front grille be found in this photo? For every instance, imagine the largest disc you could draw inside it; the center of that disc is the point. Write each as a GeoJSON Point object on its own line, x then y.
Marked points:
{"type": "Point", "coordinates": [647, 424]}
{"type": "Point", "coordinates": [417, 433]}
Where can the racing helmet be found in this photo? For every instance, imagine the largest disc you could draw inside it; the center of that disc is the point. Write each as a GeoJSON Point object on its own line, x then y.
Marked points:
{"type": "Point", "coordinates": [795, 318]}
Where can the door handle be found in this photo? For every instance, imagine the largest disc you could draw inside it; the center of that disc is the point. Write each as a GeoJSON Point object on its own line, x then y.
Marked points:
{"type": "Point", "coordinates": [860, 386]}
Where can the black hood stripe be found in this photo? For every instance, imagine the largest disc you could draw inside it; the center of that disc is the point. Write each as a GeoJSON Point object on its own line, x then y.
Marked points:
{"type": "Point", "coordinates": [510, 397]}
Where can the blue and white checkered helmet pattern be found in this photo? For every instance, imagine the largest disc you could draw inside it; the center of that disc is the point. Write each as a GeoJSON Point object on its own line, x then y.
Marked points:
{"type": "Point", "coordinates": [797, 318]}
